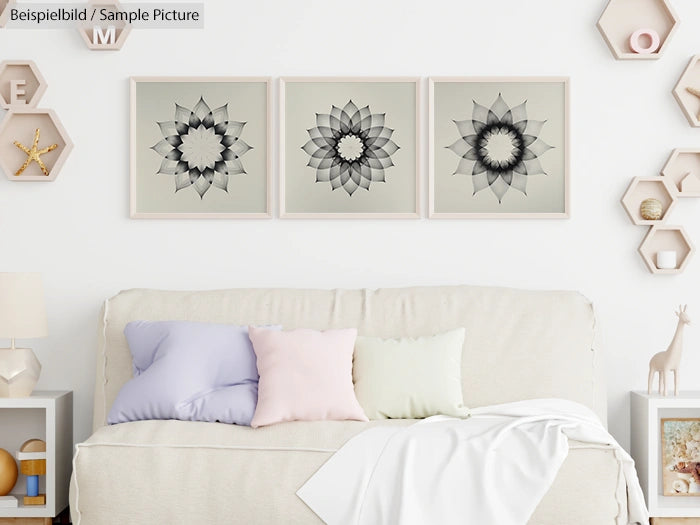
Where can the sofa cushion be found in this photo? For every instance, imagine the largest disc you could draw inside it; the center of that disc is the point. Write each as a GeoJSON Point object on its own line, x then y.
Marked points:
{"type": "Point", "coordinates": [252, 475]}
{"type": "Point", "coordinates": [188, 371]}
{"type": "Point", "coordinates": [410, 377]}
{"type": "Point", "coordinates": [305, 375]}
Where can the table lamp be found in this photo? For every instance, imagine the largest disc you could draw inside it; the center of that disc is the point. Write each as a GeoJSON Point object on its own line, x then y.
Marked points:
{"type": "Point", "coordinates": [22, 316]}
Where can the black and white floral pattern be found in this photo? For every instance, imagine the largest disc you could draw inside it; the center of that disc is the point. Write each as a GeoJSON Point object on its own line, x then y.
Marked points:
{"type": "Point", "coordinates": [499, 147]}
{"type": "Point", "coordinates": [350, 147]}
{"type": "Point", "coordinates": [201, 147]}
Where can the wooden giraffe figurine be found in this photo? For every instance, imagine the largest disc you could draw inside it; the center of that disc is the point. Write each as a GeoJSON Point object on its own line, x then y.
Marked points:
{"type": "Point", "coordinates": [671, 358]}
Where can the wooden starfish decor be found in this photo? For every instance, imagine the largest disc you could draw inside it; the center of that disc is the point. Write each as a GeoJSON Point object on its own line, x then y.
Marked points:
{"type": "Point", "coordinates": [694, 91]}
{"type": "Point", "coordinates": [34, 154]}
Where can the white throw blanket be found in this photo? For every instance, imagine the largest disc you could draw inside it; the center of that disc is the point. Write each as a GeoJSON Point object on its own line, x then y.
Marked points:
{"type": "Point", "coordinates": [448, 471]}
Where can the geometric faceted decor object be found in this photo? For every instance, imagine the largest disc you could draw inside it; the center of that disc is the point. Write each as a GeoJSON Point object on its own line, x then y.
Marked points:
{"type": "Point", "coordinates": [683, 170]}
{"type": "Point", "coordinates": [498, 147]}
{"type": "Point", "coordinates": [637, 29]}
{"type": "Point", "coordinates": [687, 92]}
{"type": "Point", "coordinates": [21, 84]}
{"type": "Point", "coordinates": [643, 188]}
{"type": "Point", "coordinates": [349, 148]}
{"type": "Point", "coordinates": [104, 36]}
{"type": "Point", "coordinates": [663, 239]}
{"type": "Point", "coordinates": [33, 139]}
{"type": "Point", "coordinates": [19, 372]}
{"type": "Point", "coordinates": [200, 147]}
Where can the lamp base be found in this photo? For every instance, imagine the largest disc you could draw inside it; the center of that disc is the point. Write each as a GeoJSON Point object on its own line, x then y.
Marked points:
{"type": "Point", "coordinates": [19, 372]}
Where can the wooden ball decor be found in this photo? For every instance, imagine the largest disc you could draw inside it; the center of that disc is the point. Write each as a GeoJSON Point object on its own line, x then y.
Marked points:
{"type": "Point", "coordinates": [8, 472]}
{"type": "Point", "coordinates": [651, 209]}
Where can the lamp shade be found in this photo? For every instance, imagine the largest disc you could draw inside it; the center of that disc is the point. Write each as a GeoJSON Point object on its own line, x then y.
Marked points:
{"type": "Point", "coordinates": [22, 307]}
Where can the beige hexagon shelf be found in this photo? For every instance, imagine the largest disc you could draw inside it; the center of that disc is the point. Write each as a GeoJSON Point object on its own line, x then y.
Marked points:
{"type": "Point", "coordinates": [683, 170]}
{"type": "Point", "coordinates": [642, 188]}
{"type": "Point", "coordinates": [21, 126]}
{"type": "Point", "coordinates": [3, 7]}
{"type": "Point", "coordinates": [687, 91]}
{"type": "Point", "coordinates": [621, 18]}
{"type": "Point", "coordinates": [662, 238]}
{"type": "Point", "coordinates": [21, 84]}
{"type": "Point", "coordinates": [98, 36]}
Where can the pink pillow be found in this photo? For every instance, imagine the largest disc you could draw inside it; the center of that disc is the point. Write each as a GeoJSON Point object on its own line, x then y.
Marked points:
{"type": "Point", "coordinates": [304, 375]}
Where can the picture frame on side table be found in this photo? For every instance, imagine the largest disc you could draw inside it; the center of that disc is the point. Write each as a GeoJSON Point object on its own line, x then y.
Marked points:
{"type": "Point", "coordinates": [499, 148]}
{"type": "Point", "coordinates": [680, 456]}
{"type": "Point", "coordinates": [349, 148]}
{"type": "Point", "coordinates": [200, 148]}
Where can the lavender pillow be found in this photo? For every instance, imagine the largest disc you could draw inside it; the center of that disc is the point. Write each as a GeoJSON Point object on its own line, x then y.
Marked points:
{"type": "Point", "coordinates": [188, 371]}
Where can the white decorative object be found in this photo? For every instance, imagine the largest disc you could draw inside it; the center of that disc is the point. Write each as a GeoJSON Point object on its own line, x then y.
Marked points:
{"type": "Point", "coordinates": [670, 359]}
{"type": "Point", "coordinates": [22, 315]}
{"type": "Point", "coordinates": [652, 36]}
{"type": "Point", "coordinates": [667, 260]}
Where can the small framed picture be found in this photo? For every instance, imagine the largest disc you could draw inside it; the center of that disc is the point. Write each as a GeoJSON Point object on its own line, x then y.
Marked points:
{"type": "Point", "coordinates": [499, 147]}
{"type": "Point", "coordinates": [349, 148]}
{"type": "Point", "coordinates": [680, 456]}
{"type": "Point", "coordinates": [200, 147]}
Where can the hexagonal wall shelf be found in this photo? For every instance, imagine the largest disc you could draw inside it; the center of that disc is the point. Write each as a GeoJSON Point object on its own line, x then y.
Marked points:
{"type": "Point", "coordinates": [28, 92]}
{"type": "Point", "coordinates": [94, 41]}
{"type": "Point", "coordinates": [666, 238]}
{"type": "Point", "coordinates": [3, 6]}
{"type": "Point", "coordinates": [687, 91]}
{"type": "Point", "coordinates": [21, 126]}
{"type": "Point", "coordinates": [621, 18]}
{"type": "Point", "coordinates": [642, 188]}
{"type": "Point", "coordinates": [683, 170]}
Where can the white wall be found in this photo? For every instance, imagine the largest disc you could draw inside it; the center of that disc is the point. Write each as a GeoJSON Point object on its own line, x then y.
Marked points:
{"type": "Point", "coordinates": [624, 123]}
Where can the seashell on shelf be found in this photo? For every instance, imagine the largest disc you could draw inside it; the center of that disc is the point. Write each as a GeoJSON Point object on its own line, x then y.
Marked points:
{"type": "Point", "coordinates": [681, 486]}
{"type": "Point", "coordinates": [651, 209]}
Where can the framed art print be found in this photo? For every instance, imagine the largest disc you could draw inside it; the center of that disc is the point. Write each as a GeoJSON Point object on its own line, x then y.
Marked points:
{"type": "Point", "coordinates": [680, 456]}
{"type": "Point", "coordinates": [499, 147]}
{"type": "Point", "coordinates": [200, 147]}
{"type": "Point", "coordinates": [348, 148]}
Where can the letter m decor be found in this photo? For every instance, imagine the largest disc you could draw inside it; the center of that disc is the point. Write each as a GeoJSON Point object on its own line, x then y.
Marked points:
{"type": "Point", "coordinates": [101, 31]}
{"type": "Point", "coordinates": [104, 38]}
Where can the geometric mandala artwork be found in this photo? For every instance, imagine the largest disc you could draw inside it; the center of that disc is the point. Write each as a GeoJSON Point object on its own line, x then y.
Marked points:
{"type": "Point", "coordinates": [499, 147]}
{"type": "Point", "coordinates": [350, 147]}
{"type": "Point", "coordinates": [201, 147]}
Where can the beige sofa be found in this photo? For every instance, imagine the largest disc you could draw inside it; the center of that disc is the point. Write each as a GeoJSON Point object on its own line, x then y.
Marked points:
{"type": "Point", "coordinates": [519, 345]}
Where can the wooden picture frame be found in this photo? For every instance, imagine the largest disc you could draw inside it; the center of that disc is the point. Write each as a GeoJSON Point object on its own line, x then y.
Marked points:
{"type": "Point", "coordinates": [680, 456]}
{"type": "Point", "coordinates": [375, 174]}
{"type": "Point", "coordinates": [466, 182]}
{"type": "Point", "coordinates": [206, 159]}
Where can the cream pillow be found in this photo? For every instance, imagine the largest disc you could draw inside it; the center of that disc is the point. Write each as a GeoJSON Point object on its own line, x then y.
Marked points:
{"type": "Point", "coordinates": [410, 378]}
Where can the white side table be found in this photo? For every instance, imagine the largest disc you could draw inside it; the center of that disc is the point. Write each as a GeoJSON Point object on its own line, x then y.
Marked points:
{"type": "Point", "coordinates": [646, 414]}
{"type": "Point", "coordinates": [47, 416]}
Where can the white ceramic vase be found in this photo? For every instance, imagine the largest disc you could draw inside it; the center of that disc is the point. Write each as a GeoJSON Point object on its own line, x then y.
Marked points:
{"type": "Point", "coordinates": [19, 372]}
